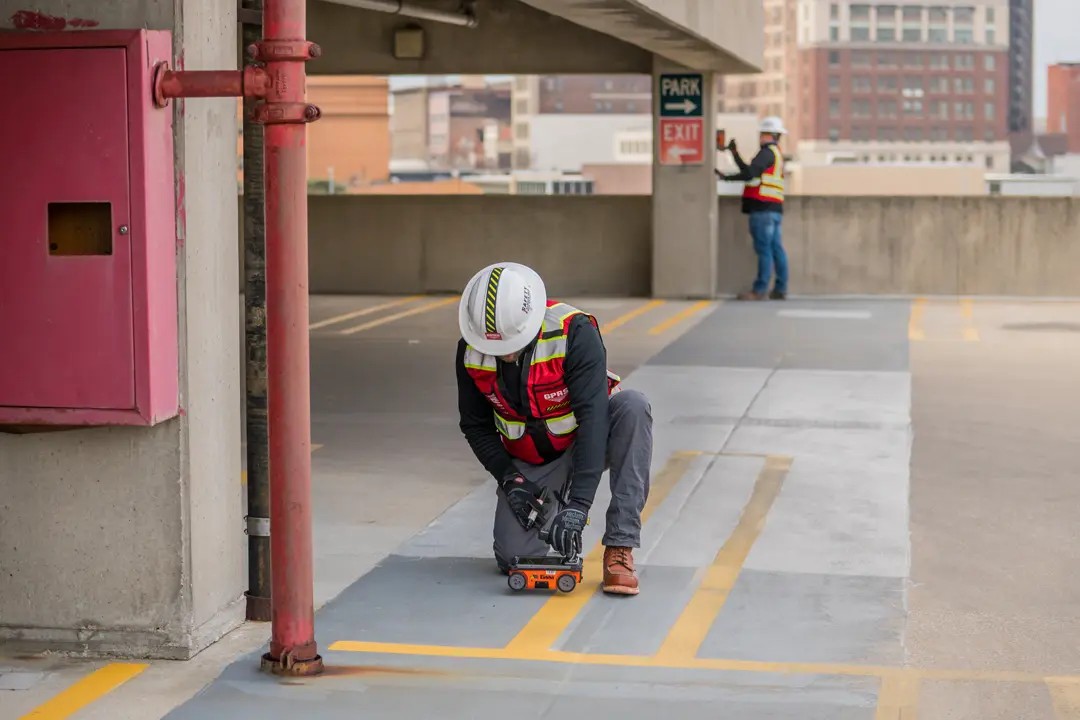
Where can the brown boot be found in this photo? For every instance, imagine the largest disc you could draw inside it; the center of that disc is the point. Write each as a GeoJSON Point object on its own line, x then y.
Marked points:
{"type": "Point", "coordinates": [619, 577]}
{"type": "Point", "coordinates": [750, 296]}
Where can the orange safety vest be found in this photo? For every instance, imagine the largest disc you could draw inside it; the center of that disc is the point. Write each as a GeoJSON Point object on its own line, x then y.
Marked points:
{"type": "Point", "coordinates": [770, 186]}
{"type": "Point", "coordinates": [548, 414]}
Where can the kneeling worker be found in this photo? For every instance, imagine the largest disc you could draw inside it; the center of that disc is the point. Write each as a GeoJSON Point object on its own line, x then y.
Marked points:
{"type": "Point", "coordinates": [540, 410]}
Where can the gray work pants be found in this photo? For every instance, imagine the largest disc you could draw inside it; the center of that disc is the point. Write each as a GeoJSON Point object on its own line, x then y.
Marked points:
{"type": "Point", "coordinates": [629, 455]}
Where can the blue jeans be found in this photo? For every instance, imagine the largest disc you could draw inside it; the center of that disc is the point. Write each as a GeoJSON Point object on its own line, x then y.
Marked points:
{"type": "Point", "coordinates": [765, 228]}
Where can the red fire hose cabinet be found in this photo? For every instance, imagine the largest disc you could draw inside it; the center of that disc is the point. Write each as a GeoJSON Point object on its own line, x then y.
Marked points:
{"type": "Point", "coordinates": [88, 231]}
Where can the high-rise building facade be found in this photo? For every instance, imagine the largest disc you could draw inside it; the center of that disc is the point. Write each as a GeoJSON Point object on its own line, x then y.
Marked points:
{"type": "Point", "coordinates": [1021, 66]}
{"type": "Point", "coordinates": [561, 122]}
{"type": "Point", "coordinates": [876, 81]}
{"type": "Point", "coordinates": [1063, 102]}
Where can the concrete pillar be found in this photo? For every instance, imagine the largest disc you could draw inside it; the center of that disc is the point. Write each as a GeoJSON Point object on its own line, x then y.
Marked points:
{"type": "Point", "coordinates": [130, 540]}
{"type": "Point", "coordinates": [684, 196]}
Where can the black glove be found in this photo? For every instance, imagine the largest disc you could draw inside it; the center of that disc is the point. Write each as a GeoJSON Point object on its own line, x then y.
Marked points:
{"type": "Point", "coordinates": [731, 145]}
{"type": "Point", "coordinates": [523, 496]}
{"type": "Point", "coordinates": [566, 529]}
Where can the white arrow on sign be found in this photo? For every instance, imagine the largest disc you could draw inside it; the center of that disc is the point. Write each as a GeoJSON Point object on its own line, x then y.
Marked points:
{"type": "Point", "coordinates": [687, 106]}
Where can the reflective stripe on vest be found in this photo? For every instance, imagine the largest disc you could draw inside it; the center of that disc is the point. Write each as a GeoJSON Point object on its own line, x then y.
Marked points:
{"type": "Point", "coordinates": [770, 186]}
{"type": "Point", "coordinates": [547, 396]}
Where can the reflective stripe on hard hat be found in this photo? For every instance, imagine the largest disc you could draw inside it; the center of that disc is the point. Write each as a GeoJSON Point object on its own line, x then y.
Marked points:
{"type": "Point", "coordinates": [502, 308]}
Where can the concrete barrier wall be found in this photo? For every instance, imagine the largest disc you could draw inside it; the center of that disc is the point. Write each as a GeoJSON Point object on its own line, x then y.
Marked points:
{"type": "Point", "coordinates": [924, 245]}
{"type": "Point", "coordinates": [596, 245]}
{"type": "Point", "coordinates": [601, 245]}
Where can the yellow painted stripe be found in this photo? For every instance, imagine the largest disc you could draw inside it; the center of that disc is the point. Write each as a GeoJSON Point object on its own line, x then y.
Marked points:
{"type": "Point", "coordinates": [1065, 696]}
{"type": "Point", "coordinates": [897, 698]}
{"type": "Point", "coordinates": [697, 617]}
{"type": "Point", "coordinates": [90, 688]}
{"type": "Point", "coordinates": [365, 311]}
{"type": "Point", "coordinates": [554, 616]}
{"type": "Point", "coordinates": [718, 664]}
{"type": "Point", "coordinates": [627, 317]}
{"type": "Point", "coordinates": [427, 307]}
{"type": "Point", "coordinates": [915, 327]}
{"type": "Point", "coordinates": [679, 317]}
{"type": "Point", "coordinates": [967, 309]}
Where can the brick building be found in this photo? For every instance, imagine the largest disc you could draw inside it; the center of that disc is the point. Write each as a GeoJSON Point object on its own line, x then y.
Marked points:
{"type": "Point", "coordinates": [1063, 102]}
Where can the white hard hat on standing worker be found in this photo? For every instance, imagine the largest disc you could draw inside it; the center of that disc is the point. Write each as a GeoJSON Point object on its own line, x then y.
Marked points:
{"type": "Point", "coordinates": [773, 124]}
{"type": "Point", "coordinates": [502, 308]}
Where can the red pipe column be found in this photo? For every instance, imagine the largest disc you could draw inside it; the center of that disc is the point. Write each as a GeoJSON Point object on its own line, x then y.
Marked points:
{"type": "Point", "coordinates": [285, 112]}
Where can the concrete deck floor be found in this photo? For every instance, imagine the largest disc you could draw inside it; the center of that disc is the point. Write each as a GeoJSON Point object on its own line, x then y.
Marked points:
{"type": "Point", "coordinates": [860, 509]}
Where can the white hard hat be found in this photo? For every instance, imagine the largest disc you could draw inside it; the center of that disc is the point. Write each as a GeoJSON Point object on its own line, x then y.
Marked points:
{"type": "Point", "coordinates": [773, 124]}
{"type": "Point", "coordinates": [502, 308]}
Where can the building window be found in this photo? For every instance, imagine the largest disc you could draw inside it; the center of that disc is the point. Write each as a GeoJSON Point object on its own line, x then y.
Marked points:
{"type": "Point", "coordinates": [834, 11]}
{"type": "Point", "coordinates": [939, 109]}
{"type": "Point", "coordinates": [834, 83]}
{"type": "Point", "coordinates": [913, 134]}
{"type": "Point", "coordinates": [886, 59]}
{"type": "Point", "coordinates": [964, 61]}
{"type": "Point", "coordinates": [885, 133]}
{"type": "Point", "coordinates": [913, 107]}
{"type": "Point", "coordinates": [964, 85]}
{"type": "Point", "coordinates": [939, 15]}
{"type": "Point", "coordinates": [990, 15]}
{"type": "Point", "coordinates": [860, 33]}
{"type": "Point", "coordinates": [913, 60]}
{"type": "Point", "coordinates": [834, 134]}
{"type": "Point", "coordinates": [939, 134]}
{"type": "Point", "coordinates": [886, 34]}
{"type": "Point", "coordinates": [939, 61]}
{"type": "Point", "coordinates": [938, 35]}
{"type": "Point", "coordinates": [912, 34]}
{"type": "Point", "coordinates": [860, 12]}
{"type": "Point", "coordinates": [887, 108]}
{"type": "Point", "coordinates": [989, 111]}
{"type": "Point", "coordinates": [964, 15]}
{"type": "Point", "coordinates": [834, 57]}
{"type": "Point", "coordinates": [886, 83]}
{"type": "Point", "coordinates": [860, 133]}
{"type": "Point", "coordinates": [860, 84]}
{"type": "Point", "coordinates": [860, 58]}
{"type": "Point", "coordinates": [963, 111]}
{"type": "Point", "coordinates": [860, 108]}
{"type": "Point", "coordinates": [964, 36]}
{"type": "Point", "coordinates": [964, 133]}
{"type": "Point", "coordinates": [991, 36]}
{"type": "Point", "coordinates": [988, 86]}
{"type": "Point", "coordinates": [989, 162]}
{"type": "Point", "coordinates": [913, 83]}
{"type": "Point", "coordinates": [834, 108]}
{"type": "Point", "coordinates": [989, 135]}
{"type": "Point", "coordinates": [989, 61]}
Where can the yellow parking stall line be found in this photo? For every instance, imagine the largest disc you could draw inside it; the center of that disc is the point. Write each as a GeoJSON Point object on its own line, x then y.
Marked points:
{"type": "Point", "coordinates": [1065, 696]}
{"type": "Point", "coordinates": [427, 307]}
{"type": "Point", "coordinates": [898, 698]}
{"type": "Point", "coordinates": [362, 312]}
{"type": "Point", "coordinates": [555, 615]}
{"type": "Point", "coordinates": [627, 317]}
{"type": "Point", "coordinates": [899, 688]}
{"type": "Point", "coordinates": [689, 631]}
{"type": "Point", "coordinates": [680, 316]}
{"type": "Point", "coordinates": [967, 310]}
{"type": "Point", "coordinates": [915, 321]}
{"type": "Point", "coordinates": [92, 687]}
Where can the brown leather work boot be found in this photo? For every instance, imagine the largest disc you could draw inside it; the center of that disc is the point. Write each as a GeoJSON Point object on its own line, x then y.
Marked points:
{"type": "Point", "coordinates": [619, 577]}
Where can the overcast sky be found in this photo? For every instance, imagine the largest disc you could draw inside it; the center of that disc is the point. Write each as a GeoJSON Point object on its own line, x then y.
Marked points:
{"type": "Point", "coordinates": [1057, 39]}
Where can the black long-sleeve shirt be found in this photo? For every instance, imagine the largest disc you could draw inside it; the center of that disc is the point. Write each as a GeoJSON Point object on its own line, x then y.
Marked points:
{"type": "Point", "coordinates": [757, 167]}
{"type": "Point", "coordinates": [586, 380]}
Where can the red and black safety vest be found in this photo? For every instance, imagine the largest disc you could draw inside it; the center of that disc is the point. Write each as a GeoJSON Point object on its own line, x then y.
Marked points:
{"type": "Point", "coordinates": [548, 419]}
{"type": "Point", "coordinates": [770, 186]}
